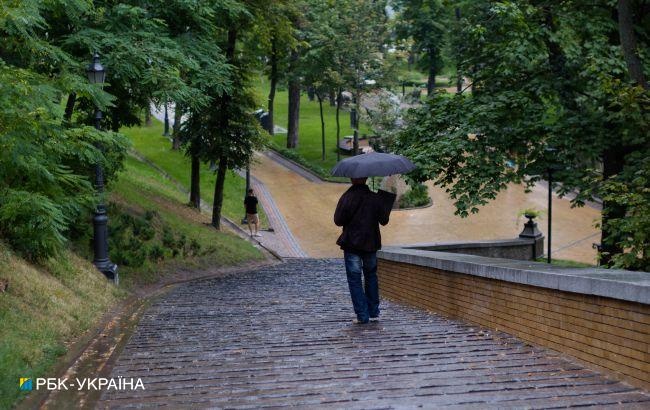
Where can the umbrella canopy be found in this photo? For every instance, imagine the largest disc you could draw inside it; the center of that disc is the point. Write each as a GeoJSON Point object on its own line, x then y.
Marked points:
{"type": "Point", "coordinates": [372, 164]}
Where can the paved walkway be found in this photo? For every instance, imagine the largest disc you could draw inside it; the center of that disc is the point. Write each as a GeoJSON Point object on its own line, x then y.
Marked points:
{"type": "Point", "coordinates": [282, 336]}
{"type": "Point", "coordinates": [308, 208]}
{"type": "Point", "coordinates": [280, 240]}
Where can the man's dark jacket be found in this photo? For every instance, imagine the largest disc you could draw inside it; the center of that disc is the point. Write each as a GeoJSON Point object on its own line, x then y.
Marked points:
{"type": "Point", "coordinates": [359, 212]}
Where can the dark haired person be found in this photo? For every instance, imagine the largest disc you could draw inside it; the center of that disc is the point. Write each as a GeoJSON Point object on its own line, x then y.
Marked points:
{"type": "Point", "coordinates": [250, 202]}
{"type": "Point", "coordinates": [360, 212]}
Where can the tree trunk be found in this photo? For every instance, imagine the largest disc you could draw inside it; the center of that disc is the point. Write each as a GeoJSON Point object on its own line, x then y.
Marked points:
{"type": "Point", "coordinates": [628, 42]}
{"type": "Point", "coordinates": [338, 124]}
{"type": "Point", "coordinates": [613, 161]}
{"type": "Point", "coordinates": [195, 184]}
{"type": "Point", "coordinates": [178, 114]}
{"type": "Point", "coordinates": [69, 108]}
{"type": "Point", "coordinates": [294, 113]}
{"type": "Point", "coordinates": [433, 69]}
{"type": "Point", "coordinates": [147, 116]}
{"type": "Point", "coordinates": [274, 82]}
{"type": "Point", "coordinates": [459, 77]}
{"type": "Point", "coordinates": [115, 120]}
{"type": "Point", "coordinates": [355, 138]}
{"type": "Point", "coordinates": [294, 102]}
{"type": "Point", "coordinates": [322, 125]}
{"type": "Point", "coordinates": [218, 193]}
{"type": "Point", "coordinates": [224, 121]}
{"type": "Point", "coordinates": [332, 97]}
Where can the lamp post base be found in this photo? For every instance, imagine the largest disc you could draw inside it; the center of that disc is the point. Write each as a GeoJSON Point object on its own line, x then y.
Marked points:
{"type": "Point", "coordinates": [109, 269]}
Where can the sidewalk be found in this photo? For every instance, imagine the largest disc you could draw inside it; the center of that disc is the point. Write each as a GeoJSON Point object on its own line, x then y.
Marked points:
{"type": "Point", "coordinates": [282, 336]}
{"type": "Point", "coordinates": [308, 208]}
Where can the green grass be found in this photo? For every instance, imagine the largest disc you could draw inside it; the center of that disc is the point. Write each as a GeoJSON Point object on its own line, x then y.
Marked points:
{"type": "Point", "coordinates": [45, 306]}
{"type": "Point", "coordinates": [140, 188]}
{"type": "Point", "coordinates": [149, 142]}
{"type": "Point", "coordinates": [309, 136]}
{"type": "Point", "coordinates": [309, 151]}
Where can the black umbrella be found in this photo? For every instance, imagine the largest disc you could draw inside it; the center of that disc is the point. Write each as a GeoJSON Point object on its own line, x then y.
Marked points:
{"type": "Point", "coordinates": [373, 164]}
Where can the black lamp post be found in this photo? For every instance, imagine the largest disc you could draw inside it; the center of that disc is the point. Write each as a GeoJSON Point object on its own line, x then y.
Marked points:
{"type": "Point", "coordinates": [97, 75]}
{"type": "Point", "coordinates": [550, 169]}
{"type": "Point", "coordinates": [166, 132]}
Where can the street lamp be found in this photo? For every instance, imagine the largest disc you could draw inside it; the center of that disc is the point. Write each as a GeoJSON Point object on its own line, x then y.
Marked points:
{"type": "Point", "coordinates": [97, 75]}
{"type": "Point", "coordinates": [166, 132]}
{"type": "Point", "coordinates": [550, 169]}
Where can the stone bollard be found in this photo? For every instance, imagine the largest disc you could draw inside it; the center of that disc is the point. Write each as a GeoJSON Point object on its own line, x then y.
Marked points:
{"type": "Point", "coordinates": [532, 232]}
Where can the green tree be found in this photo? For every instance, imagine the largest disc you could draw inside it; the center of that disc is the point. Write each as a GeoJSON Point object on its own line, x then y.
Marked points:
{"type": "Point", "coordinates": [145, 62]}
{"type": "Point", "coordinates": [425, 22]}
{"type": "Point", "coordinates": [274, 37]}
{"type": "Point", "coordinates": [361, 31]}
{"type": "Point", "coordinates": [46, 163]}
{"type": "Point", "coordinates": [225, 130]}
{"type": "Point", "coordinates": [551, 89]}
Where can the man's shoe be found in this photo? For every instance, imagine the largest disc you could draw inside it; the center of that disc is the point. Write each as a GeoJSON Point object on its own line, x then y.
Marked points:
{"type": "Point", "coordinates": [259, 235]}
{"type": "Point", "coordinates": [358, 322]}
{"type": "Point", "coordinates": [374, 319]}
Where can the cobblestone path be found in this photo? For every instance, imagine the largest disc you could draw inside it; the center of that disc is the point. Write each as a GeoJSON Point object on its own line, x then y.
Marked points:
{"type": "Point", "coordinates": [282, 336]}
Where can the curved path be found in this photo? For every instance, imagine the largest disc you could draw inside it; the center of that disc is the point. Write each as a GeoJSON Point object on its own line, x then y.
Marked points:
{"type": "Point", "coordinates": [308, 208]}
{"type": "Point", "coordinates": [282, 336]}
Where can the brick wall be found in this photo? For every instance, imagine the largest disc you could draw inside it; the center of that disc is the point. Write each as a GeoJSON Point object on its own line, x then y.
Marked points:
{"type": "Point", "coordinates": [611, 334]}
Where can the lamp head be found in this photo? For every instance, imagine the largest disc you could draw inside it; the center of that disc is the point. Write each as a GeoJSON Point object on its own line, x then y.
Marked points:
{"type": "Point", "coordinates": [95, 71]}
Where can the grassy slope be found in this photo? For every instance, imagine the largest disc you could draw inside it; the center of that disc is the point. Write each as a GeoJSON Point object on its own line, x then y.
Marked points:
{"type": "Point", "coordinates": [47, 306]}
{"type": "Point", "coordinates": [44, 307]}
{"type": "Point", "coordinates": [150, 143]}
{"type": "Point", "coordinates": [140, 188]}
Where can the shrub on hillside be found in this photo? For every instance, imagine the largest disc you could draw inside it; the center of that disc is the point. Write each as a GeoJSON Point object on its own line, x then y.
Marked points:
{"type": "Point", "coordinates": [135, 239]}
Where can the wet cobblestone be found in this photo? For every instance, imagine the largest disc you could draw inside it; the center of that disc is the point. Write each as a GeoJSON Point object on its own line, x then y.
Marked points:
{"type": "Point", "coordinates": [283, 336]}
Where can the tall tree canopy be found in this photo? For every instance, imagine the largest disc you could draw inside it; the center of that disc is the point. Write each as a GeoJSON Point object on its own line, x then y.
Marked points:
{"type": "Point", "coordinates": [553, 87]}
{"type": "Point", "coordinates": [46, 163]}
{"type": "Point", "coordinates": [425, 22]}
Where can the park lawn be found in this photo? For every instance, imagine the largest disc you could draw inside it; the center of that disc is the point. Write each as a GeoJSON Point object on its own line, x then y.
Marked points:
{"type": "Point", "coordinates": [309, 136]}
{"type": "Point", "coordinates": [149, 143]}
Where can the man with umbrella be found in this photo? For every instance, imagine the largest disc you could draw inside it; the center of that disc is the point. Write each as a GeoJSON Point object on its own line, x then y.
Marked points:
{"type": "Point", "coordinates": [360, 212]}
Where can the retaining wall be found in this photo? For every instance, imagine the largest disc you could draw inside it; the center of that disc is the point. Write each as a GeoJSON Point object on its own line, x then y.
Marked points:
{"type": "Point", "coordinates": [596, 315]}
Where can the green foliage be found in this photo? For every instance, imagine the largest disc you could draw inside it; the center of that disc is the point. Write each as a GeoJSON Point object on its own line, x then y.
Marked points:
{"type": "Point", "coordinates": [424, 22]}
{"type": "Point", "coordinates": [550, 90]}
{"type": "Point", "coordinates": [631, 190]}
{"type": "Point", "coordinates": [418, 195]}
{"type": "Point", "coordinates": [535, 213]}
{"type": "Point", "coordinates": [45, 168]}
{"type": "Point", "coordinates": [138, 237]}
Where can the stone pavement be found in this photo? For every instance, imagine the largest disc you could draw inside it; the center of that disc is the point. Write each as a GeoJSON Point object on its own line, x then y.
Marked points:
{"type": "Point", "coordinates": [282, 336]}
{"type": "Point", "coordinates": [308, 208]}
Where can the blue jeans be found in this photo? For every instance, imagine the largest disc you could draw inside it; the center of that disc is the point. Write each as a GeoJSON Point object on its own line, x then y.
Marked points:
{"type": "Point", "coordinates": [366, 304]}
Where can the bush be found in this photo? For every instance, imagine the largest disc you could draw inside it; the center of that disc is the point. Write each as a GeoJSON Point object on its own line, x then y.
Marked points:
{"type": "Point", "coordinates": [46, 168]}
{"type": "Point", "coordinates": [32, 223]}
{"type": "Point", "coordinates": [156, 253]}
{"type": "Point", "coordinates": [418, 195]}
